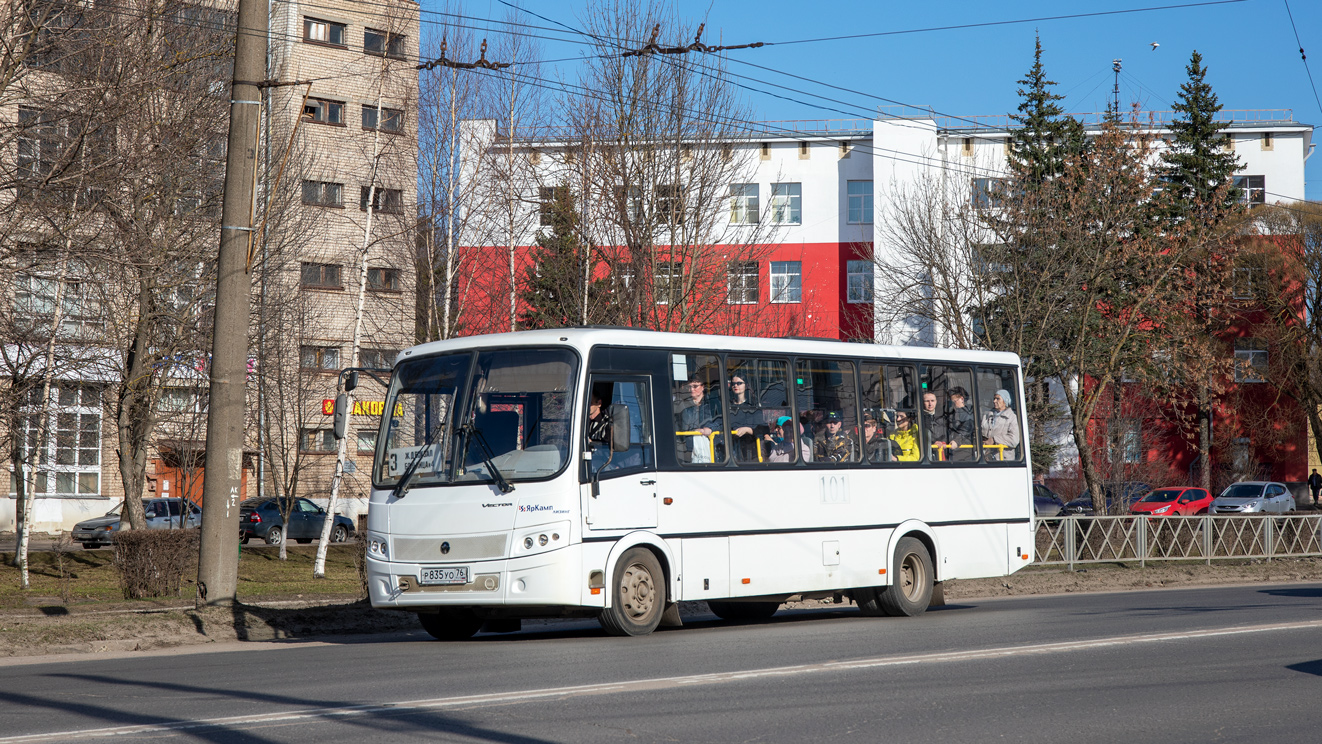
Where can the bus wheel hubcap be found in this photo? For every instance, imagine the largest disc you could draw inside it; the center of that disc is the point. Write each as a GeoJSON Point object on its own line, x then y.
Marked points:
{"type": "Point", "coordinates": [637, 594]}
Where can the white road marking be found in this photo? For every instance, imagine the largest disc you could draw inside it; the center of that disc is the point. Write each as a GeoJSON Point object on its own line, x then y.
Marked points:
{"type": "Point", "coordinates": [606, 688]}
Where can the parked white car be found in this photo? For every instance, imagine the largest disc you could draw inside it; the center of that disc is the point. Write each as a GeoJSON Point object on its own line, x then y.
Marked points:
{"type": "Point", "coordinates": [1253, 497]}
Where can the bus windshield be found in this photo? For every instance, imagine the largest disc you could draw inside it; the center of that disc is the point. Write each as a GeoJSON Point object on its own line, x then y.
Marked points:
{"type": "Point", "coordinates": [454, 411]}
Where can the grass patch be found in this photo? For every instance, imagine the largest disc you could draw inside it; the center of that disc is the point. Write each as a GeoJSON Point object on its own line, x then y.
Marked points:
{"type": "Point", "coordinates": [90, 577]}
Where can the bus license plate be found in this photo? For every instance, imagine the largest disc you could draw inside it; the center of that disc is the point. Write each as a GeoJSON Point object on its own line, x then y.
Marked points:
{"type": "Point", "coordinates": [448, 575]}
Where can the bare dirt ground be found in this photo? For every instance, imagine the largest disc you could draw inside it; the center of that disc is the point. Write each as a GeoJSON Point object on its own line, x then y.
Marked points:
{"type": "Point", "coordinates": [47, 627]}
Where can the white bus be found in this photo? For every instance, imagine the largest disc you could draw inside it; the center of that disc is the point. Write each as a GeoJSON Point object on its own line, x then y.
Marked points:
{"type": "Point", "coordinates": [738, 471]}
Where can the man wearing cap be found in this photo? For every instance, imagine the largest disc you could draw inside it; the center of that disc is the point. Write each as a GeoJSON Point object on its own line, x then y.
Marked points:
{"type": "Point", "coordinates": [833, 446]}
{"type": "Point", "coordinates": [874, 446]}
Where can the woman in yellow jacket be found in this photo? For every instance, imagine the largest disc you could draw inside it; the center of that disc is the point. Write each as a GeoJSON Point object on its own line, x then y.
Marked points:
{"type": "Point", "coordinates": [905, 437]}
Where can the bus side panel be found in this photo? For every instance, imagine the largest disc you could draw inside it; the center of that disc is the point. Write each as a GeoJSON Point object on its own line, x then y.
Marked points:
{"type": "Point", "coordinates": [781, 564]}
{"type": "Point", "coordinates": [972, 551]}
{"type": "Point", "coordinates": [706, 572]}
{"type": "Point", "coordinates": [1021, 539]}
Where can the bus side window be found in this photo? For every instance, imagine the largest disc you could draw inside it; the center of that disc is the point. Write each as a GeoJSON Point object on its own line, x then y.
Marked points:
{"type": "Point", "coordinates": [1002, 440]}
{"type": "Point", "coordinates": [947, 414]}
{"type": "Point", "coordinates": [757, 401]}
{"type": "Point", "coordinates": [889, 400]}
{"type": "Point", "coordinates": [832, 410]}
{"type": "Point", "coordinates": [698, 414]}
{"type": "Point", "coordinates": [633, 395]}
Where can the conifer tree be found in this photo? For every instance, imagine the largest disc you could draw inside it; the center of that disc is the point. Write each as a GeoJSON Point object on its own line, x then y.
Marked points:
{"type": "Point", "coordinates": [562, 270]}
{"type": "Point", "coordinates": [1197, 166]}
{"type": "Point", "coordinates": [1043, 135]}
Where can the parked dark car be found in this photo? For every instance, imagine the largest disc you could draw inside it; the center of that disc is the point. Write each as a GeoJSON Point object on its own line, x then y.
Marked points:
{"type": "Point", "coordinates": [1119, 498]}
{"type": "Point", "coordinates": [160, 514]}
{"type": "Point", "coordinates": [261, 518]}
{"type": "Point", "coordinates": [1046, 503]}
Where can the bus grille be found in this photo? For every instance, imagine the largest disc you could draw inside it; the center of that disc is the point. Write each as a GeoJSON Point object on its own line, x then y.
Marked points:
{"type": "Point", "coordinates": [428, 549]}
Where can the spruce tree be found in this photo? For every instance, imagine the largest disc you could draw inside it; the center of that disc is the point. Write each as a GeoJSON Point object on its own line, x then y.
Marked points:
{"type": "Point", "coordinates": [1043, 136]}
{"type": "Point", "coordinates": [553, 285]}
{"type": "Point", "coordinates": [1196, 164]}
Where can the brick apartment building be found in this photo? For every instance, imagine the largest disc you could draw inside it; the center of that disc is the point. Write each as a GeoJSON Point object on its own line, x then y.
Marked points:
{"type": "Point", "coordinates": [355, 129]}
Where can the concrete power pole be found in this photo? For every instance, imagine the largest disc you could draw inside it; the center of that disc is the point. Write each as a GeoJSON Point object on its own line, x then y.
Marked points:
{"type": "Point", "coordinates": [218, 560]}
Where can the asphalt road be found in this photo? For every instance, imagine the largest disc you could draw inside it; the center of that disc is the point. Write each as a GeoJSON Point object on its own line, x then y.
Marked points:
{"type": "Point", "coordinates": [1222, 664]}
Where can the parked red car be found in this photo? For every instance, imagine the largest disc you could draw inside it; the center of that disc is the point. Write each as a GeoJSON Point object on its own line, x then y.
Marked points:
{"type": "Point", "coordinates": [1173, 501]}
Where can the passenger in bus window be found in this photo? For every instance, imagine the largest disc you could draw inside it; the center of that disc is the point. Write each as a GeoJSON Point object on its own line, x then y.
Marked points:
{"type": "Point", "coordinates": [959, 427]}
{"type": "Point", "coordinates": [702, 417]}
{"type": "Point", "coordinates": [599, 422]}
{"type": "Point", "coordinates": [834, 446]}
{"type": "Point", "coordinates": [905, 438]}
{"type": "Point", "coordinates": [1000, 427]}
{"type": "Point", "coordinates": [874, 446]}
{"type": "Point", "coordinates": [778, 444]}
{"type": "Point", "coordinates": [745, 418]}
{"type": "Point", "coordinates": [937, 427]}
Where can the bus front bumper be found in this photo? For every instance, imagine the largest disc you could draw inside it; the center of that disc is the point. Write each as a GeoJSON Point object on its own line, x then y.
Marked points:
{"type": "Point", "coordinates": [543, 580]}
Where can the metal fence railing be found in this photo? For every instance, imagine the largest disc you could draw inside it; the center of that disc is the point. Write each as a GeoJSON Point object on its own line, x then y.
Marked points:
{"type": "Point", "coordinates": [1073, 540]}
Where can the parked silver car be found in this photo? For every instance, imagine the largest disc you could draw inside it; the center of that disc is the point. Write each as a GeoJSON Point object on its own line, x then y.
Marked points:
{"type": "Point", "coordinates": [162, 514]}
{"type": "Point", "coordinates": [1253, 497]}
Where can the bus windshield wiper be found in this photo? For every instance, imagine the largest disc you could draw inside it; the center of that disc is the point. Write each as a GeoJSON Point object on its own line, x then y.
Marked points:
{"type": "Point", "coordinates": [402, 487]}
{"type": "Point", "coordinates": [474, 432]}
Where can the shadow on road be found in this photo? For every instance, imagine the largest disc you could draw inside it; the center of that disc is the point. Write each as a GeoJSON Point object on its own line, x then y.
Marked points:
{"type": "Point", "coordinates": [1294, 591]}
{"type": "Point", "coordinates": [1307, 667]}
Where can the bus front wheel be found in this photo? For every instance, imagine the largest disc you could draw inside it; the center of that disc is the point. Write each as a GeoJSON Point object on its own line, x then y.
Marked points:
{"type": "Point", "coordinates": [639, 597]}
{"type": "Point", "coordinates": [911, 592]}
{"type": "Point", "coordinates": [450, 624]}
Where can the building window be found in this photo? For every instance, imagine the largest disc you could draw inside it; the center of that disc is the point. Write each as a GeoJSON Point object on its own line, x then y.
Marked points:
{"type": "Point", "coordinates": [547, 198]}
{"type": "Point", "coordinates": [383, 280]}
{"type": "Point", "coordinates": [858, 278]}
{"type": "Point", "coordinates": [323, 111]}
{"type": "Point", "coordinates": [81, 316]}
{"type": "Point", "coordinates": [1250, 360]}
{"type": "Point", "coordinates": [182, 400]}
{"type": "Point", "coordinates": [764, 151]}
{"type": "Point", "coordinates": [316, 441]}
{"type": "Point", "coordinates": [987, 193]}
{"type": "Point", "coordinates": [669, 282]}
{"type": "Point", "coordinates": [383, 43]}
{"type": "Point", "coordinates": [68, 460]}
{"type": "Point", "coordinates": [804, 152]}
{"type": "Point", "coordinates": [860, 202]}
{"type": "Point", "coordinates": [744, 205]}
{"type": "Point", "coordinates": [319, 358]}
{"type": "Point", "coordinates": [630, 200]}
{"type": "Point", "coordinates": [1131, 441]}
{"type": "Point", "coordinates": [377, 358]}
{"type": "Point", "coordinates": [787, 203]}
{"type": "Point", "coordinates": [388, 119]}
{"type": "Point", "coordinates": [742, 279]}
{"type": "Point", "coordinates": [390, 201]}
{"type": "Point", "coordinates": [1243, 283]}
{"type": "Point", "coordinates": [367, 442]}
{"type": "Point", "coordinates": [321, 276]}
{"type": "Point", "coordinates": [1252, 189]}
{"type": "Point", "coordinates": [786, 281]}
{"type": "Point", "coordinates": [324, 32]}
{"type": "Point", "coordinates": [323, 194]}
{"type": "Point", "coordinates": [670, 203]}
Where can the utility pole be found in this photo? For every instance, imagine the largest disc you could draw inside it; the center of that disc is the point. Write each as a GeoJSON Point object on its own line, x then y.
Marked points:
{"type": "Point", "coordinates": [1115, 93]}
{"type": "Point", "coordinates": [218, 559]}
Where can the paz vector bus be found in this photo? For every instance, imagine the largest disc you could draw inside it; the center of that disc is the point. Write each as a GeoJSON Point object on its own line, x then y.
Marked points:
{"type": "Point", "coordinates": [611, 473]}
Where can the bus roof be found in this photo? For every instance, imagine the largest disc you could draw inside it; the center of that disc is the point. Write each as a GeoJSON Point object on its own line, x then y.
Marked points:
{"type": "Point", "coordinates": [584, 338]}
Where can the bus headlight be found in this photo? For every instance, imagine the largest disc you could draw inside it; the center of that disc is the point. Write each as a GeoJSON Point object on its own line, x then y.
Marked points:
{"type": "Point", "coordinates": [377, 546]}
{"type": "Point", "coordinates": [543, 537]}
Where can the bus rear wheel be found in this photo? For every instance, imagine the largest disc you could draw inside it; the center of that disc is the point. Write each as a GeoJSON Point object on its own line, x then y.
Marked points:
{"type": "Point", "coordinates": [450, 624]}
{"type": "Point", "coordinates": [639, 596]}
{"type": "Point", "coordinates": [911, 592]}
{"type": "Point", "coordinates": [745, 611]}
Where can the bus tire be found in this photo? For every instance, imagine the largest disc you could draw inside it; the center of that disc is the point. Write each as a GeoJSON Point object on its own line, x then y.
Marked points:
{"type": "Point", "coordinates": [745, 611]}
{"type": "Point", "coordinates": [639, 595]}
{"type": "Point", "coordinates": [911, 592]}
{"type": "Point", "coordinates": [450, 624]}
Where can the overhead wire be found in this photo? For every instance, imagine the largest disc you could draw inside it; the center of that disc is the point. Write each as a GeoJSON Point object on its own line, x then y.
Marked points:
{"type": "Point", "coordinates": [1303, 56]}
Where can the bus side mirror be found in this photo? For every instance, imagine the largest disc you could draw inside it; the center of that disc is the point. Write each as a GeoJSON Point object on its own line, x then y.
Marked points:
{"type": "Point", "coordinates": [351, 382]}
{"type": "Point", "coordinates": [620, 427]}
{"type": "Point", "coordinates": [341, 415]}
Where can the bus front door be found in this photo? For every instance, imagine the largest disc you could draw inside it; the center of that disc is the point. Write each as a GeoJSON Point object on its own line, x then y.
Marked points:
{"type": "Point", "coordinates": [624, 495]}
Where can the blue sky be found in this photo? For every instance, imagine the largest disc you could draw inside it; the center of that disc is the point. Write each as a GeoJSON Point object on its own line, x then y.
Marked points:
{"type": "Point", "coordinates": [1249, 48]}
